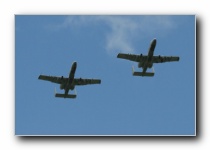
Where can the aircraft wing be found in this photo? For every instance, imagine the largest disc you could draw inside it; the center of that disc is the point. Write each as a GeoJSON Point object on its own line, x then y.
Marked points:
{"type": "Point", "coordinates": [80, 81]}
{"type": "Point", "coordinates": [132, 57]}
{"type": "Point", "coordinates": [161, 59]}
{"type": "Point", "coordinates": [53, 79]}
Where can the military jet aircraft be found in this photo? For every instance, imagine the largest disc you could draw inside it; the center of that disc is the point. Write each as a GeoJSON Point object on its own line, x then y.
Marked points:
{"type": "Point", "coordinates": [146, 61]}
{"type": "Point", "coordinates": [69, 83]}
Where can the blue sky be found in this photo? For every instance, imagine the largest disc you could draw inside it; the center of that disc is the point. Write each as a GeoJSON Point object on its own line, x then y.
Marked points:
{"type": "Point", "coordinates": [122, 104]}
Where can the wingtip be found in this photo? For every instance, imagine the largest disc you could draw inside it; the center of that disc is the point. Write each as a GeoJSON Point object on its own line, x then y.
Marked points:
{"type": "Point", "coordinates": [99, 81]}
{"type": "Point", "coordinates": [118, 55]}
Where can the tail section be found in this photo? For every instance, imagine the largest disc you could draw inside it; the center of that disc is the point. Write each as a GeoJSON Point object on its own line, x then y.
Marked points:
{"type": "Point", "coordinates": [65, 95]}
{"type": "Point", "coordinates": [148, 74]}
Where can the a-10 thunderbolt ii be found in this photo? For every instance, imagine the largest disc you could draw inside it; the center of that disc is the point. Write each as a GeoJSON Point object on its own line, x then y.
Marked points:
{"type": "Point", "coordinates": [146, 61]}
{"type": "Point", "coordinates": [69, 83]}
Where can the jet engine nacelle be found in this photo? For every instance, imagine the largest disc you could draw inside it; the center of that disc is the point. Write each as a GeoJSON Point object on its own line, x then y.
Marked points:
{"type": "Point", "coordinates": [62, 86]}
{"type": "Point", "coordinates": [140, 65]}
{"type": "Point", "coordinates": [72, 87]}
{"type": "Point", "coordinates": [150, 65]}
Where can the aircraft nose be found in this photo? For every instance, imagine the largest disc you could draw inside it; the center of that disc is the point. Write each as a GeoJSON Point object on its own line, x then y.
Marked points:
{"type": "Point", "coordinates": [154, 41]}
{"type": "Point", "coordinates": [74, 64]}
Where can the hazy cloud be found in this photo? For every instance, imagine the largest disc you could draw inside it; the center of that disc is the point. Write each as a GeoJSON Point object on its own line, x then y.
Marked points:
{"type": "Point", "coordinates": [123, 29]}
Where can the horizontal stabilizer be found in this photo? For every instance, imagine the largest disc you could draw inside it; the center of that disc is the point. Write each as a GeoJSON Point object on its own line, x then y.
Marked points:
{"type": "Point", "coordinates": [148, 74]}
{"type": "Point", "coordinates": [66, 96]}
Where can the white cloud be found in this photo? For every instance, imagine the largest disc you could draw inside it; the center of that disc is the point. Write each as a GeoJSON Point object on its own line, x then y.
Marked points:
{"type": "Point", "coordinates": [120, 36]}
{"type": "Point", "coordinates": [123, 29]}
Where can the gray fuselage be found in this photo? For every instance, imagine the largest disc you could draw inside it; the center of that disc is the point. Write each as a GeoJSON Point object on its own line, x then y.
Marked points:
{"type": "Point", "coordinates": [150, 55]}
